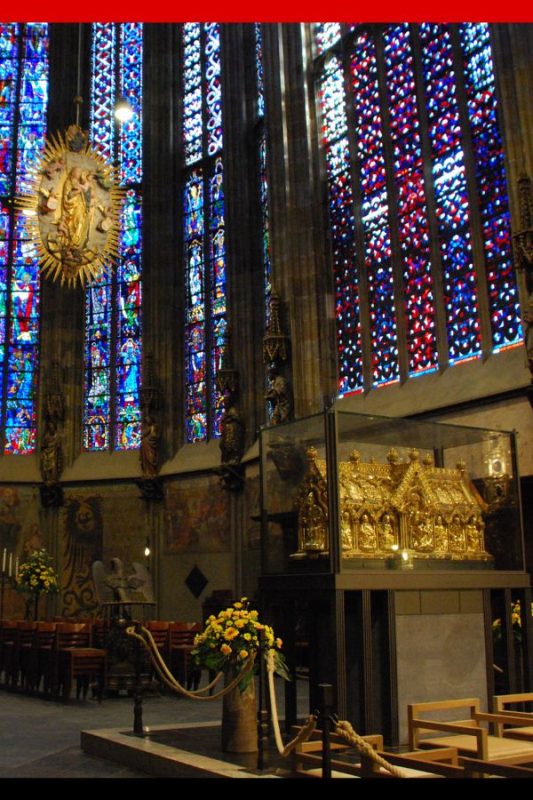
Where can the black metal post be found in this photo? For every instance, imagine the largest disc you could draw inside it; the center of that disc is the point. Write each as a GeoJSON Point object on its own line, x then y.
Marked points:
{"type": "Point", "coordinates": [263, 719]}
{"type": "Point", "coordinates": [326, 709]}
{"type": "Point", "coordinates": [138, 728]}
{"type": "Point", "coordinates": [2, 580]}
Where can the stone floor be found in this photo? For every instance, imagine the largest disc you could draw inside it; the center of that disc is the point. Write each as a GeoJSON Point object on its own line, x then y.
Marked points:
{"type": "Point", "coordinates": [40, 739]}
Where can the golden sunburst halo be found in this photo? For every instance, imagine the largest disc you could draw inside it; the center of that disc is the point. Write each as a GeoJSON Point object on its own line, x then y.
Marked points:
{"type": "Point", "coordinates": [73, 208]}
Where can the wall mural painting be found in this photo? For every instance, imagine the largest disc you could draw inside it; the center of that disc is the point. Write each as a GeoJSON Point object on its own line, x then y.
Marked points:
{"type": "Point", "coordinates": [20, 532]}
{"type": "Point", "coordinates": [82, 544]}
{"type": "Point", "coordinates": [197, 517]}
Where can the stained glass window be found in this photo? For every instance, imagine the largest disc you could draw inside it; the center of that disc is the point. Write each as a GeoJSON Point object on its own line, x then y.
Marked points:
{"type": "Point", "coordinates": [262, 163]}
{"type": "Point", "coordinates": [415, 166]}
{"type": "Point", "coordinates": [203, 228]}
{"type": "Point", "coordinates": [23, 108]}
{"type": "Point", "coordinates": [113, 322]}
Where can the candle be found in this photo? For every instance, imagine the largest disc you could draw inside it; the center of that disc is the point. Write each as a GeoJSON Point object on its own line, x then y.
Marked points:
{"type": "Point", "coordinates": [16, 567]}
{"type": "Point", "coordinates": [4, 560]}
{"type": "Point", "coordinates": [10, 571]}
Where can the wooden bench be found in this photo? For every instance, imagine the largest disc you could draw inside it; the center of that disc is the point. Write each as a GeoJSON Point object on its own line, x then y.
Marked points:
{"type": "Point", "coordinates": [468, 735]}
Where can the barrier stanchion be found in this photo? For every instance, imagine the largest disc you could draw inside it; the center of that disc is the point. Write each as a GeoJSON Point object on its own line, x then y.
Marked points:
{"type": "Point", "coordinates": [326, 701]}
{"type": "Point", "coordinates": [262, 714]}
{"type": "Point", "coordinates": [138, 727]}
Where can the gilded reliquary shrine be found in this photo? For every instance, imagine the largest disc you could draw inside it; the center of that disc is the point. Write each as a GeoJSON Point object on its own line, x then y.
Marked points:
{"type": "Point", "coordinates": [410, 506]}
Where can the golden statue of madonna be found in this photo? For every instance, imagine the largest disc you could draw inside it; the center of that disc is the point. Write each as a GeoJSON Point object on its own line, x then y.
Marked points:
{"type": "Point", "coordinates": [75, 204]}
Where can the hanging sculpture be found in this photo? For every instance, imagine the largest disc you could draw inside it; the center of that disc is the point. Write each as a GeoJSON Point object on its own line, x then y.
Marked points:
{"type": "Point", "coordinates": [73, 209]}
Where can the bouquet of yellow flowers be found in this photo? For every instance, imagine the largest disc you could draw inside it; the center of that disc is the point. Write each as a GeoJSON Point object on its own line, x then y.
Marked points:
{"type": "Point", "coordinates": [37, 575]}
{"type": "Point", "coordinates": [232, 637]}
{"type": "Point", "coordinates": [516, 622]}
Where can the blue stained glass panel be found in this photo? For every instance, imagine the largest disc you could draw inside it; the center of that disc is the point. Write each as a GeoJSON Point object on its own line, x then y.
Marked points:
{"type": "Point", "coordinates": [259, 70]}
{"type": "Point", "coordinates": [131, 61]}
{"type": "Point", "coordinates": [334, 128]}
{"type": "Point", "coordinates": [192, 92]}
{"type": "Point", "coordinates": [113, 338]}
{"type": "Point", "coordinates": [218, 282]}
{"type": "Point", "coordinates": [213, 88]}
{"type": "Point", "coordinates": [204, 231]}
{"type": "Point", "coordinates": [103, 89]}
{"type": "Point", "coordinates": [490, 175]}
{"type": "Point", "coordinates": [413, 225]}
{"type": "Point", "coordinates": [326, 35]}
{"type": "Point", "coordinates": [23, 109]}
{"type": "Point", "coordinates": [374, 211]}
{"type": "Point", "coordinates": [452, 206]}
{"type": "Point", "coordinates": [195, 339]}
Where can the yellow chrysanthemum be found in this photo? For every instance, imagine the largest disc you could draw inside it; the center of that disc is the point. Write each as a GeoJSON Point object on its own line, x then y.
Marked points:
{"type": "Point", "coordinates": [243, 654]}
{"type": "Point", "coordinates": [225, 649]}
{"type": "Point", "coordinates": [231, 634]}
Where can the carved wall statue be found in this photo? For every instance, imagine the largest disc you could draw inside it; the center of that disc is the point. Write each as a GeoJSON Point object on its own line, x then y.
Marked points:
{"type": "Point", "coordinates": [150, 433]}
{"type": "Point", "coordinates": [232, 428]}
{"type": "Point", "coordinates": [232, 434]}
{"type": "Point", "coordinates": [278, 395]}
{"type": "Point", "coordinates": [430, 511]}
{"type": "Point", "coordinates": [51, 449]}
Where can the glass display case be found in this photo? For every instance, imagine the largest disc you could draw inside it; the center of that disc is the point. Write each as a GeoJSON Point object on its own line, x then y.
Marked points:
{"type": "Point", "coordinates": [344, 492]}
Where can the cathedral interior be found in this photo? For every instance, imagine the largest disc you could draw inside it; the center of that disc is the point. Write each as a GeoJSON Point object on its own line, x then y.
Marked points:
{"type": "Point", "coordinates": [301, 370]}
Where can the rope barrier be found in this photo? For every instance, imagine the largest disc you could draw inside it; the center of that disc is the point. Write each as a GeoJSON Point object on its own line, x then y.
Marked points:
{"type": "Point", "coordinates": [345, 730]}
{"type": "Point", "coordinates": [342, 727]}
{"type": "Point", "coordinates": [307, 729]}
{"type": "Point", "coordinates": [170, 681]}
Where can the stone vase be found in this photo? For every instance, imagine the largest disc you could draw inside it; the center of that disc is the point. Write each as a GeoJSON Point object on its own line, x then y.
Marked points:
{"type": "Point", "coordinates": [239, 718]}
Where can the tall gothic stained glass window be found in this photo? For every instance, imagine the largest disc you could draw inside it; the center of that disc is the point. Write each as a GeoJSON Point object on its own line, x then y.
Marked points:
{"type": "Point", "coordinates": [262, 164]}
{"type": "Point", "coordinates": [203, 228]}
{"type": "Point", "coordinates": [418, 206]}
{"type": "Point", "coordinates": [24, 79]}
{"type": "Point", "coordinates": [113, 323]}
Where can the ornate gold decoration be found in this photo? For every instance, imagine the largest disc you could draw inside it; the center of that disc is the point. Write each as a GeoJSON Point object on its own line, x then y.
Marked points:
{"type": "Point", "coordinates": [429, 511]}
{"type": "Point", "coordinates": [73, 209]}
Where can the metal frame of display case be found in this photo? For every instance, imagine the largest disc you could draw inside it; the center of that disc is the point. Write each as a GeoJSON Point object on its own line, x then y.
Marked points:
{"type": "Point", "coordinates": [348, 614]}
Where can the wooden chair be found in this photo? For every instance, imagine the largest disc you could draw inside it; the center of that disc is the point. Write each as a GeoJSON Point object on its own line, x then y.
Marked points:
{"type": "Point", "coordinates": [307, 759]}
{"type": "Point", "coordinates": [42, 657]}
{"type": "Point", "coordinates": [467, 735]}
{"type": "Point", "coordinates": [8, 643]}
{"type": "Point", "coordinates": [476, 768]}
{"type": "Point", "coordinates": [77, 659]}
{"type": "Point", "coordinates": [159, 631]}
{"type": "Point", "coordinates": [521, 721]}
{"type": "Point", "coordinates": [24, 644]}
{"type": "Point", "coordinates": [181, 643]}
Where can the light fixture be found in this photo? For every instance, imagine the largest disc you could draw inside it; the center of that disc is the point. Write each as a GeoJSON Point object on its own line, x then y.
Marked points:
{"type": "Point", "coordinates": [123, 110]}
{"type": "Point", "coordinates": [147, 550]}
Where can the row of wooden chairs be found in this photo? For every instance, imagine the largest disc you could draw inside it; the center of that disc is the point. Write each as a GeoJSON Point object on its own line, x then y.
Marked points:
{"type": "Point", "coordinates": [175, 642]}
{"type": "Point", "coordinates": [47, 657]}
{"type": "Point", "coordinates": [54, 654]}
{"type": "Point", "coordinates": [456, 748]}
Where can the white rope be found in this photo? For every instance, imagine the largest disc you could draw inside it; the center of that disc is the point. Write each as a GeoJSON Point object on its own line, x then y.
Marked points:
{"type": "Point", "coordinates": [306, 729]}
{"type": "Point", "coordinates": [169, 680]}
